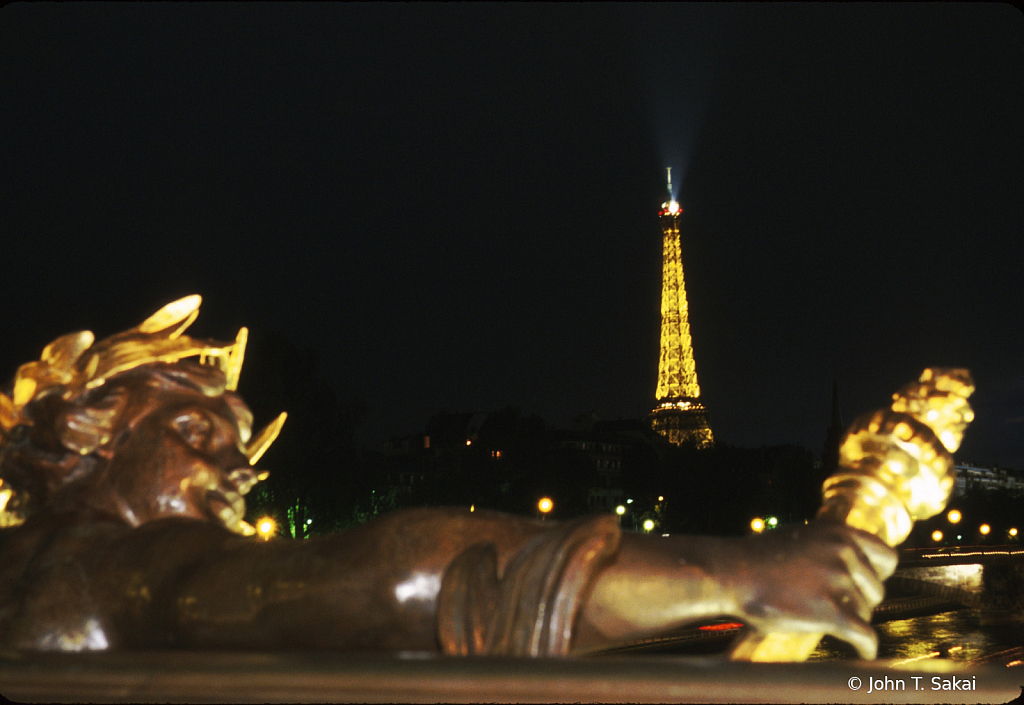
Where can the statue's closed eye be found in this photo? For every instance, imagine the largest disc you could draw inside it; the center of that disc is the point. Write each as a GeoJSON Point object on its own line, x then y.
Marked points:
{"type": "Point", "coordinates": [194, 428]}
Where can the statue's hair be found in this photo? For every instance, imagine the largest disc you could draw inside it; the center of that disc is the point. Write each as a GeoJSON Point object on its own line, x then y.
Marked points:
{"type": "Point", "coordinates": [60, 415]}
{"type": "Point", "coordinates": [64, 440]}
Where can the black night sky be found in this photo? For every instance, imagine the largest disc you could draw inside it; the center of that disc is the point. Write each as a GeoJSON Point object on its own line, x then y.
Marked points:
{"type": "Point", "coordinates": [456, 205]}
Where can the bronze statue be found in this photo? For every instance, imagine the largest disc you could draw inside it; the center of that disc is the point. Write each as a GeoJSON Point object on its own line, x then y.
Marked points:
{"type": "Point", "coordinates": [123, 466]}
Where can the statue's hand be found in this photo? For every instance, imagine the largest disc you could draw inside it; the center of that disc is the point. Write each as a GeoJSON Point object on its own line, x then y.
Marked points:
{"type": "Point", "coordinates": [822, 578]}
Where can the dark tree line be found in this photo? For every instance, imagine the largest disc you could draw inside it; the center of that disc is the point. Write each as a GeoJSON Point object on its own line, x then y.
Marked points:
{"type": "Point", "coordinates": [321, 480]}
{"type": "Point", "coordinates": [512, 461]}
{"type": "Point", "coordinates": [720, 489]}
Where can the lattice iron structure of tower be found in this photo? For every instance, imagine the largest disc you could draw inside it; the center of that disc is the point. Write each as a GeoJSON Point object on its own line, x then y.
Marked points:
{"type": "Point", "coordinates": [678, 415]}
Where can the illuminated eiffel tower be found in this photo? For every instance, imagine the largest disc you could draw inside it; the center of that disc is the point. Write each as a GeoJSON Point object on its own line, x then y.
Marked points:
{"type": "Point", "coordinates": [678, 416]}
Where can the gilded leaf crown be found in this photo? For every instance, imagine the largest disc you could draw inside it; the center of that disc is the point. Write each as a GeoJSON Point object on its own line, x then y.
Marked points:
{"type": "Point", "coordinates": [75, 363]}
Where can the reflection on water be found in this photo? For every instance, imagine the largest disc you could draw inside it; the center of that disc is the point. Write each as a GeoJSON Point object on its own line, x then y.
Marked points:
{"type": "Point", "coordinates": [978, 632]}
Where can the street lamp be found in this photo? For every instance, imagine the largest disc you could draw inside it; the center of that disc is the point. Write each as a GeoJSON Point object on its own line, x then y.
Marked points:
{"type": "Point", "coordinates": [1013, 532]}
{"type": "Point", "coordinates": [620, 510]}
{"type": "Point", "coordinates": [266, 527]}
{"type": "Point", "coordinates": [984, 529]}
{"type": "Point", "coordinates": [757, 525]}
{"type": "Point", "coordinates": [772, 522]}
{"type": "Point", "coordinates": [544, 506]}
{"type": "Point", "coordinates": [954, 516]}
{"type": "Point", "coordinates": [648, 525]}
{"type": "Point", "coordinates": [936, 536]}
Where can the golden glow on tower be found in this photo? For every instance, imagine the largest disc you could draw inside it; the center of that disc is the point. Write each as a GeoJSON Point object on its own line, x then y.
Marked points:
{"type": "Point", "coordinates": [677, 372]}
{"type": "Point", "coordinates": [678, 415]}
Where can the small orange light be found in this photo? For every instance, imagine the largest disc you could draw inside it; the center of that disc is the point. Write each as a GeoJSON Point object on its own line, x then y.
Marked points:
{"type": "Point", "coordinates": [720, 627]}
{"type": "Point", "coordinates": [545, 505]}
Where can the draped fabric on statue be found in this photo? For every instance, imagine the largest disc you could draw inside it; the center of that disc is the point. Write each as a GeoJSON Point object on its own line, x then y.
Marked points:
{"type": "Point", "coordinates": [531, 609]}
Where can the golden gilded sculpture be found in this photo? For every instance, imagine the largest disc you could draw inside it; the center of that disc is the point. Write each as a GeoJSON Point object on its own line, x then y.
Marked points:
{"type": "Point", "coordinates": [125, 463]}
{"type": "Point", "coordinates": [72, 365]}
{"type": "Point", "coordinates": [895, 468]}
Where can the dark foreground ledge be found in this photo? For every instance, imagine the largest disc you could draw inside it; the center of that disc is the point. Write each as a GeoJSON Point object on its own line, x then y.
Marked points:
{"type": "Point", "coordinates": [328, 677]}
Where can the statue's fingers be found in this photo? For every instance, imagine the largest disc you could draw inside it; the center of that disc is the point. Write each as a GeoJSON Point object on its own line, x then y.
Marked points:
{"type": "Point", "coordinates": [840, 613]}
{"type": "Point", "coordinates": [859, 634]}
{"type": "Point", "coordinates": [862, 573]}
{"type": "Point", "coordinates": [882, 558]}
{"type": "Point", "coordinates": [846, 595]}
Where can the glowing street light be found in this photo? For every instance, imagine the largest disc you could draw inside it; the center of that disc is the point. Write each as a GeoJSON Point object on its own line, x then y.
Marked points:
{"type": "Point", "coordinates": [954, 516]}
{"type": "Point", "coordinates": [266, 527]}
{"type": "Point", "coordinates": [984, 529]}
{"type": "Point", "coordinates": [620, 510]}
{"type": "Point", "coordinates": [661, 498]}
{"type": "Point", "coordinates": [772, 522]}
{"type": "Point", "coordinates": [757, 525]}
{"type": "Point", "coordinates": [936, 535]}
{"type": "Point", "coordinates": [648, 525]}
{"type": "Point", "coordinates": [545, 505]}
{"type": "Point", "coordinates": [1013, 531]}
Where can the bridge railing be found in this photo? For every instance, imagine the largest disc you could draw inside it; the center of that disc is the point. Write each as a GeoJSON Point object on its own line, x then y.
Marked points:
{"type": "Point", "coordinates": [328, 677]}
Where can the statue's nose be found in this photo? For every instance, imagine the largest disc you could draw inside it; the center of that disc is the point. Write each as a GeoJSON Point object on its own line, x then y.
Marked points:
{"type": "Point", "coordinates": [243, 479]}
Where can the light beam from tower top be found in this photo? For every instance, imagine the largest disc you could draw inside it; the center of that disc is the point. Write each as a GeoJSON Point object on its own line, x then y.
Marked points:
{"type": "Point", "coordinates": [670, 207]}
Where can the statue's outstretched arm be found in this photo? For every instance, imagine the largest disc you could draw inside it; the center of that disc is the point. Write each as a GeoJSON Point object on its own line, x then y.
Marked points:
{"type": "Point", "coordinates": [373, 587]}
{"type": "Point", "coordinates": [489, 583]}
{"type": "Point", "coordinates": [817, 578]}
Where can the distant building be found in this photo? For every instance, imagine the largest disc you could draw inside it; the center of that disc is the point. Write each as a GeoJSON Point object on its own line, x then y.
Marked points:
{"type": "Point", "coordinates": [449, 444]}
{"type": "Point", "coordinates": [973, 477]}
{"type": "Point", "coordinates": [408, 461]}
{"type": "Point", "coordinates": [605, 452]}
{"type": "Point", "coordinates": [613, 448]}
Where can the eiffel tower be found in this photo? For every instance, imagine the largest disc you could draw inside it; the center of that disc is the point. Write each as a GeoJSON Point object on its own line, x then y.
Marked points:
{"type": "Point", "coordinates": [678, 416]}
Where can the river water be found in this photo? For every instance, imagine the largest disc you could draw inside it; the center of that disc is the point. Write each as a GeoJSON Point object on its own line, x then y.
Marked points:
{"type": "Point", "coordinates": [977, 632]}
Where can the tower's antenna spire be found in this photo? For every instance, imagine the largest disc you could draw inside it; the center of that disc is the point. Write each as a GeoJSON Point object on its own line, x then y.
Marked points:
{"type": "Point", "coordinates": [670, 184]}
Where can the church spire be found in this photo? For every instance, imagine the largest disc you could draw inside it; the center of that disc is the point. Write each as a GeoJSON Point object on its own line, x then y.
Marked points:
{"type": "Point", "coordinates": [833, 435]}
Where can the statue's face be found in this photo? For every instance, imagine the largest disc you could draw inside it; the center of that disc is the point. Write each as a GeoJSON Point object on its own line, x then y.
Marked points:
{"type": "Point", "coordinates": [183, 457]}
